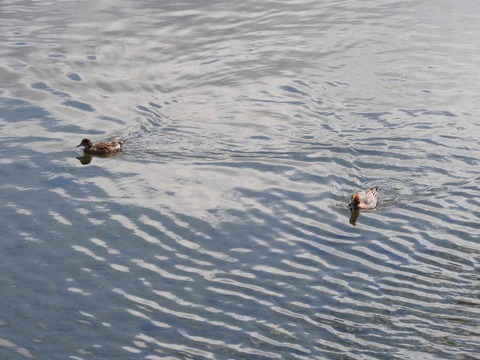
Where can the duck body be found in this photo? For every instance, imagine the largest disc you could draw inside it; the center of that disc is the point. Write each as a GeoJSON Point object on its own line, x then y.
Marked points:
{"type": "Point", "coordinates": [102, 148]}
{"type": "Point", "coordinates": [364, 200]}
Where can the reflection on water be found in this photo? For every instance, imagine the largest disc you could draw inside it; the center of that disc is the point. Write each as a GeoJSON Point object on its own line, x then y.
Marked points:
{"type": "Point", "coordinates": [354, 215]}
{"type": "Point", "coordinates": [85, 159]}
{"type": "Point", "coordinates": [219, 233]}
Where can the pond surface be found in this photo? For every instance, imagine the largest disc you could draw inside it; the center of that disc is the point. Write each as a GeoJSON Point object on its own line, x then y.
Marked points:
{"type": "Point", "coordinates": [222, 230]}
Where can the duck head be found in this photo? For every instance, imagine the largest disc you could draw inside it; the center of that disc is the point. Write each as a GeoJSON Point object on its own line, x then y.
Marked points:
{"type": "Point", "coordinates": [86, 143]}
{"type": "Point", "coordinates": [354, 201]}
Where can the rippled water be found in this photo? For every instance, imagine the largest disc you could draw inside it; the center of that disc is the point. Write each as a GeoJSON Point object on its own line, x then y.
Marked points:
{"type": "Point", "coordinates": [222, 230]}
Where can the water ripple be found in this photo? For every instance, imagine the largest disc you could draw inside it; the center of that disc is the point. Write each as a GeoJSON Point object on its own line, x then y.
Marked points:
{"type": "Point", "coordinates": [222, 228]}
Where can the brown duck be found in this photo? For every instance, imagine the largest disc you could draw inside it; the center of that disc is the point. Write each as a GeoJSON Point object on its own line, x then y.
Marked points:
{"type": "Point", "coordinates": [102, 148]}
{"type": "Point", "coordinates": [365, 200]}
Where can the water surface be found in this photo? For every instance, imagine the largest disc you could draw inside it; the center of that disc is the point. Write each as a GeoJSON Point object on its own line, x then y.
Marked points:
{"type": "Point", "coordinates": [222, 230]}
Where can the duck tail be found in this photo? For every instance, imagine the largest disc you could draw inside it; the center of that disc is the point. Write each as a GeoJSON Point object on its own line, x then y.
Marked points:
{"type": "Point", "coordinates": [374, 191]}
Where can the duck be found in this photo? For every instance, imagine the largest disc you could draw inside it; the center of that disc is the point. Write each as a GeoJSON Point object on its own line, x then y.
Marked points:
{"type": "Point", "coordinates": [102, 148]}
{"type": "Point", "coordinates": [364, 200]}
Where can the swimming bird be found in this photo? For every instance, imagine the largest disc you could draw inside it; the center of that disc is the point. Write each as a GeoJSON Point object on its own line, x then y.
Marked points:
{"type": "Point", "coordinates": [365, 200]}
{"type": "Point", "coordinates": [102, 148]}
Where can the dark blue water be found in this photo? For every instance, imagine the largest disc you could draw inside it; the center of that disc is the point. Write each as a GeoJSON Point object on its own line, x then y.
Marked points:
{"type": "Point", "coordinates": [222, 230]}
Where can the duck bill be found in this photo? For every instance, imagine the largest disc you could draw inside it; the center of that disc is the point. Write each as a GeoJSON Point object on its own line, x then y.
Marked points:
{"type": "Point", "coordinates": [79, 145]}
